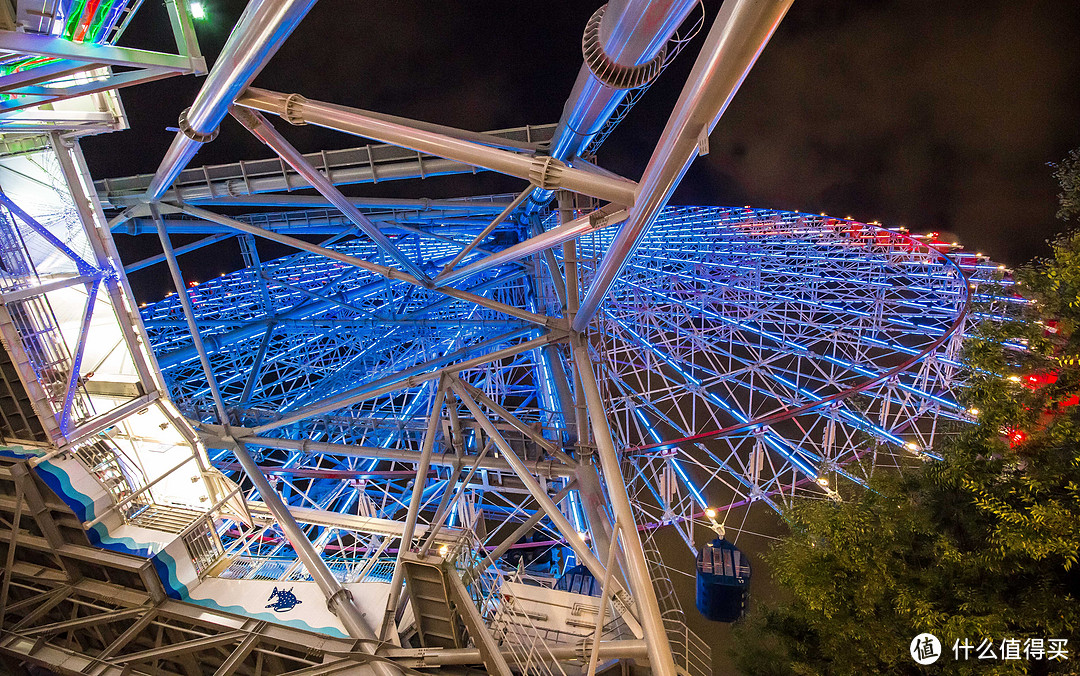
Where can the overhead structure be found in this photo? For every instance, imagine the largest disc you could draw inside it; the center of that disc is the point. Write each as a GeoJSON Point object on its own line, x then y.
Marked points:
{"type": "Point", "coordinates": [61, 62]}
{"type": "Point", "coordinates": [445, 434]}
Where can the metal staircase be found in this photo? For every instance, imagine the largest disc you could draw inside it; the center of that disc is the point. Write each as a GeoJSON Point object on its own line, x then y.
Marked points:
{"type": "Point", "coordinates": [693, 655]}
{"type": "Point", "coordinates": [34, 344]}
{"type": "Point", "coordinates": [17, 417]}
{"type": "Point", "coordinates": [438, 623]}
{"type": "Point", "coordinates": [442, 607]}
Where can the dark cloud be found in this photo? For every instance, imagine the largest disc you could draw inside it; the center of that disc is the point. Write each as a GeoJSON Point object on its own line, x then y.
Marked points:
{"type": "Point", "coordinates": [927, 114]}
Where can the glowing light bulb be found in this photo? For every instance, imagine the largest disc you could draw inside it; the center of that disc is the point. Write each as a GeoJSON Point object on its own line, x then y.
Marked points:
{"type": "Point", "coordinates": [198, 12]}
{"type": "Point", "coordinates": [911, 447]}
{"type": "Point", "coordinates": [1014, 379]}
{"type": "Point", "coordinates": [443, 549]}
{"type": "Point", "coordinates": [974, 411]}
{"type": "Point", "coordinates": [711, 513]}
{"type": "Point", "coordinates": [823, 481]}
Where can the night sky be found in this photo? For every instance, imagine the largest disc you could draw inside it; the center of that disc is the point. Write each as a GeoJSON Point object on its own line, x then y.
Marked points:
{"type": "Point", "coordinates": [932, 115]}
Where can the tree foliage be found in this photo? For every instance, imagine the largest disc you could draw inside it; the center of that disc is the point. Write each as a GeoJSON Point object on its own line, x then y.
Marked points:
{"type": "Point", "coordinates": [981, 544]}
{"type": "Point", "coordinates": [1067, 173]}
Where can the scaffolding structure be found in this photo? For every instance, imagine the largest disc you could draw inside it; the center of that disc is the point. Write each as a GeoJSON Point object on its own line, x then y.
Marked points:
{"type": "Point", "coordinates": [386, 452]}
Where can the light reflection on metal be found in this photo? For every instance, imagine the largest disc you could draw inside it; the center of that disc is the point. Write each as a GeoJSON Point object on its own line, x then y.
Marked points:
{"type": "Point", "coordinates": [258, 34]}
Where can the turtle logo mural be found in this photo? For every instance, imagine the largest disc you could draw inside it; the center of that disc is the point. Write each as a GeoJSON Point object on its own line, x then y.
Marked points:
{"type": "Point", "coordinates": [286, 600]}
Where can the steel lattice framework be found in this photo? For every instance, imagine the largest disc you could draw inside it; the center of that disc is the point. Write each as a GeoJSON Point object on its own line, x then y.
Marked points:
{"type": "Point", "coordinates": [754, 354]}
{"type": "Point", "coordinates": [458, 397]}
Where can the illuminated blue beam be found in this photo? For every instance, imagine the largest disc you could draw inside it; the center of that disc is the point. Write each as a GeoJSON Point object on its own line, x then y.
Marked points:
{"type": "Point", "coordinates": [838, 309]}
{"type": "Point", "coordinates": [720, 464]}
{"type": "Point", "coordinates": [857, 420]}
{"type": "Point", "coordinates": [792, 455]}
{"type": "Point", "coordinates": [674, 462]}
{"type": "Point", "coordinates": [798, 347]}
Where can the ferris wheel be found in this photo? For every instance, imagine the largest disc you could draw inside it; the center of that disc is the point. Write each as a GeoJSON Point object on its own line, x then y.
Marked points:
{"type": "Point", "coordinates": [531, 390]}
{"type": "Point", "coordinates": [753, 355]}
{"type": "Point", "coordinates": [471, 426]}
{"type": "Point", "coordinates": [745, 357]}
{"type": "Point", "coordinates": [415, 434]}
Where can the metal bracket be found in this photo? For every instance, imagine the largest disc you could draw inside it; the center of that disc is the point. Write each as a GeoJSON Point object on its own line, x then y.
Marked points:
{"type": "Point", "coordinates": [606, 70]}
{"type": "Point", "coordinates": [186, 130]}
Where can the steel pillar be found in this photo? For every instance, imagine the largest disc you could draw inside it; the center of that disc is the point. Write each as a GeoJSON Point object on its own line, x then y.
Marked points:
{"type": "Point", "coordinates": [601, 218]}
{"type": "Point", "coordinates": [544, 172]}
{"type": "Point", "coordinates": [549, 507]}
{"type": "Point", "coordinates": [265, 132]}
{"type": "Point", "coordinates": [637, 569]}
{"type": "Point", "coordinates": [338, 599]}
{"type": "Point", "coordinates": [258, 34]}
{"type": "Point", "coordinates": [414, 509]}
{"type": "Point", "coordinates": [189, 315]}
{"type": "Point", "coordinates": [740, 32]}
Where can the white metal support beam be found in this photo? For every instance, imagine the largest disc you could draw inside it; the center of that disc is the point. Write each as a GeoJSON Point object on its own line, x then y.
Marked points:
{"type": "Point", "coordinates": [601, 218]}
{"type": "Point", "coordinates": [525, 526]}
{"type": "Point", "coordinates": [544, 172]}
{"type": "Point", "coordinates": [56, 47]}
{"type": "Point", "coordinates": [570, 535]}
{"type": "Point", "coordinates": [8, 297]}
{"type": "Point", "coordinates": [739, 34]}
{"type": "Point", "coordinates": [260, 31]}
{"type": "Point", "coordinates": [381, 270]}
{"type": "Point", "coordinates": [76, 358]}
{"type": "Point", "coordinates": [265, 132]}
{"type": "Point", "coordinates": [660, 656]}
{"type": "Point", "coordinates": [524, 195]}
{"type": "Point", "coordinates": [189, 315]}
{"type": "Point", "coordinates": [338, 598]}
{"type": "Point", "coordinates": [336, 403]}
{"type": "Point", "coordinates": [107, 259]}
{"type": "Point", "coordinates": [414, 509]}
{"type": "Point", "coordinates": [32, 97]}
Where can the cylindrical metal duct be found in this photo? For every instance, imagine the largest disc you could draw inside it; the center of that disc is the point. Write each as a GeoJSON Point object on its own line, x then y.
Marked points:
{"type": "Point", "coordinates": [258, 34]}
{"type": "Point", "coordinates": [631, 33]}
{"type": "Point", "coordinates": [741, 30]}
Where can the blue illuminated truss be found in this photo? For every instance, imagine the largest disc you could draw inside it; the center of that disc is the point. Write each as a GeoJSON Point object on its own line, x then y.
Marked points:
{"type": "Point", "coordinates": [745, 355]}
{"type": "Point", "coordinates": [496, 404]}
